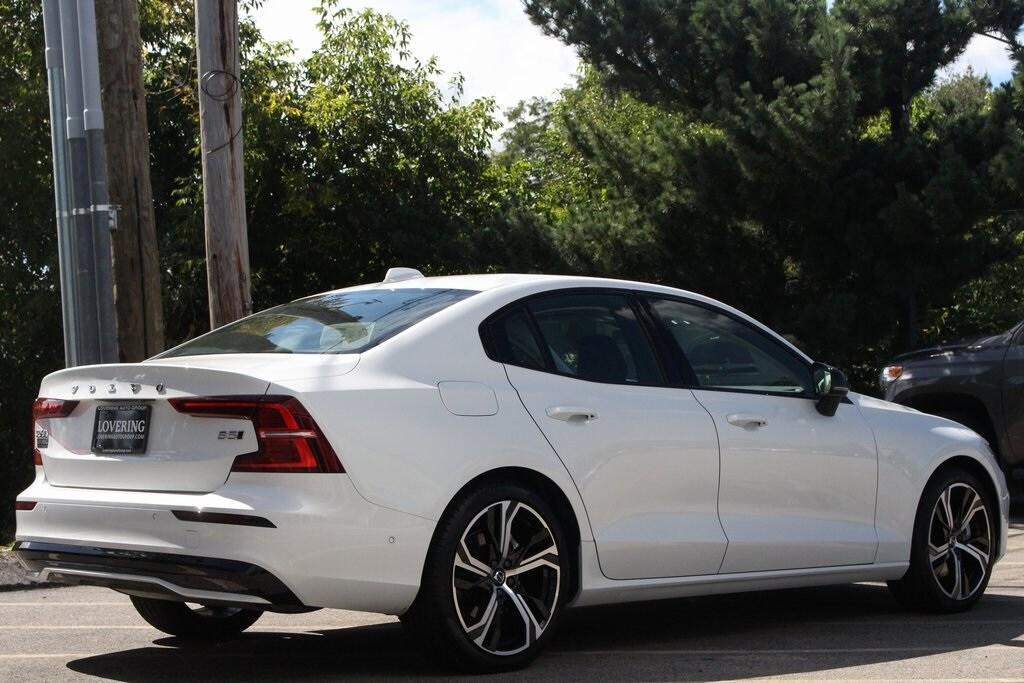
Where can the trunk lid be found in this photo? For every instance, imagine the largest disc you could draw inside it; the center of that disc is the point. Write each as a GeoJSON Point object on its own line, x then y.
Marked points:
{"type": "Point", "coordinates": [182, 453]}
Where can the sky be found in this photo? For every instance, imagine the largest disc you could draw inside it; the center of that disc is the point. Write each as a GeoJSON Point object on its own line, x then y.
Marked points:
{"type": "Point", "coordinates": [498, 50]}
{"type": "Point", "coordinates": [491, 43]}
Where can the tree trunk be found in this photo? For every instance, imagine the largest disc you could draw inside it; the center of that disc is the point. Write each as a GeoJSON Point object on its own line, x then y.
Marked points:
{"type": "Point", "coordinates": [136, 254]}
{"type": "Point", "coordinates": [220, 121]}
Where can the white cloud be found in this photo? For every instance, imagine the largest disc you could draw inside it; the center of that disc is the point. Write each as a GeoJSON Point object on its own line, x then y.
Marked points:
{"type": "Point", "coordinates": [491, 43]}
{"type": "Point", "coordinates": [985, 56]}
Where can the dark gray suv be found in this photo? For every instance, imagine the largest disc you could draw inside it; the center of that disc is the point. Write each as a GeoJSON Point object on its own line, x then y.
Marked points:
{"type": "Point", "coordinates": [976, 382]}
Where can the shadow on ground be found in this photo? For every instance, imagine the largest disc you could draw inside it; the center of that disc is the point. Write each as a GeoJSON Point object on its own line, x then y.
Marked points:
{"type": "Point", "coordinates": [736, 636]}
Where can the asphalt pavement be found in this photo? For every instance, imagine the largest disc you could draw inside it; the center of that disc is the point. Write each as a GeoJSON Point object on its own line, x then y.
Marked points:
{"type": "Point", "coordinates": [842, 632]}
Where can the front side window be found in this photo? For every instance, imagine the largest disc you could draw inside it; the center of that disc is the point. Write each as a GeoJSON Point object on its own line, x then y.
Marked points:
{"type": "Point", "coordinates": [725, 353]}
{"type": "Point", "coordinates": [337, 322]}
{"type": "Point", "coordinates": [595, 337]}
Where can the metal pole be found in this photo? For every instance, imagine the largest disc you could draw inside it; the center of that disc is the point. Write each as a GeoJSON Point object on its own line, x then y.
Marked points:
{"type": "Point", "coordinates": [103, 216]}
{"type": "Point", "coordinates": [61, 189]}
{"type": "Point", "coordinates": [81, 219]}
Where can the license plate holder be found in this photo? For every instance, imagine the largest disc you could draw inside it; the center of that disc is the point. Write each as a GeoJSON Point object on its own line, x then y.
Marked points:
{"type": "Point", "coordinates": [121, 428]}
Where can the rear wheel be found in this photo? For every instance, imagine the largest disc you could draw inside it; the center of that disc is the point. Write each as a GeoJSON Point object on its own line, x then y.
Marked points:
{"type": "Point", "coordinates": [200, 622]}
{"type": "Point", "coordinates": [495, 581]}
{"type": "Point", "coordinates": [953, 548]}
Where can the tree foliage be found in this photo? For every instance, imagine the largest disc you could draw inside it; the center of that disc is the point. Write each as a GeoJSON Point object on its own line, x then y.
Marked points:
{"type": "Point", "coordinates": [29, 285]}
{"type": "Point", "coordinates": [869, 187]}
{"type": "Point", "coordinates": [355, 159]}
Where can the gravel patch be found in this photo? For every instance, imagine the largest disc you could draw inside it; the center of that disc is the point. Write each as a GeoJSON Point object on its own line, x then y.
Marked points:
{"type": "Point", "coordinates": [12, 575]}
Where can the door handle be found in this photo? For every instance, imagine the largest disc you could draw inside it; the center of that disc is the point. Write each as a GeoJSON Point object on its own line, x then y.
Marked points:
{"type": "Point", "coordinates": [571, 414]}
{"type": "Point", "coordinates": [746, 420]}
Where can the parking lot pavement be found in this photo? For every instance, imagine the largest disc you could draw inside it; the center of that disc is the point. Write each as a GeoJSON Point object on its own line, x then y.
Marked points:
{"type": "Point", "coordinates": [842, 632]}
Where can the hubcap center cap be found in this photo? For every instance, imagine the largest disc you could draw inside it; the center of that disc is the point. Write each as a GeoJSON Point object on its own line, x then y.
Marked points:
{"type": "Point", "coordinates": [498, 577]}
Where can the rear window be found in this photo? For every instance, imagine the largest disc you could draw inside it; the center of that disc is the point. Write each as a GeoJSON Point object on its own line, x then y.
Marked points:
{"type": "Point", "coordinates": [339, 322]}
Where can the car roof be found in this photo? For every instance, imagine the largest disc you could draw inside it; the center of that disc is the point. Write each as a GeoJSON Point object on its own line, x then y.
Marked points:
{"type": "Point", "coordinates": [476, 283]}
{"type": "Point", "coordinates": [489, 281]}
{"type": "Point", "coordinates": [528, 283]}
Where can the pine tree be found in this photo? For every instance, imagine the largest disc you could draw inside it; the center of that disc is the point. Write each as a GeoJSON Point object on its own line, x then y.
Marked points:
{"type": "Point", "coordinates": [840, 152]}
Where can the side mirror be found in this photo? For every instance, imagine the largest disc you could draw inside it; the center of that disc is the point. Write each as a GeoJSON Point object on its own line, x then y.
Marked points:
{"type": "Point", "coordinates": [830, 386]}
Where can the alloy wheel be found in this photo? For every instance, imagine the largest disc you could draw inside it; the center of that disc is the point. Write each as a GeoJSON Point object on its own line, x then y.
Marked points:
{"type": "Point", "coordinates": [506, 578]}
{"type": "Point", "coordinates": [959, 541]}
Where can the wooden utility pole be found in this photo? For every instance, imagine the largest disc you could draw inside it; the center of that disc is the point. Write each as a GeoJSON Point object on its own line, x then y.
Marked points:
{"type": "Point", "coordinates": [220, 122]}
{"type": "Point", "coordinates": [136, 255]}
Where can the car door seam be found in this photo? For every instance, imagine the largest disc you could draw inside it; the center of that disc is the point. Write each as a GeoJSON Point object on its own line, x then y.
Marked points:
{"type": "Point", "coordinates": [561, 462]}
{"type": "Point", "coordinates": [718, 495]}
{"type": "Point", "coordinates": [878, 474]}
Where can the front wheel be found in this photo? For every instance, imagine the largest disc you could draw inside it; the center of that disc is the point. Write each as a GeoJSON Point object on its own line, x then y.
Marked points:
{"type": "Point", "coordinates": [198, 623]}
{"type": "Point", "coordinates": [495, 581]}
{"type": "Point", "coordinates": [953, 548]}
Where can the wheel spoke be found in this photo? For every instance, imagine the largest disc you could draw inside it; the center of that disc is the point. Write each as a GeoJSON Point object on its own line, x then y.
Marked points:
{"type": "Point", "coordinates": [545, 558]}
{"type": "Point", "coordinates": [464, 560]}
{"type": "Point", "coordinates": [976, 505]}
{"type": "Point", "coordinates": [508, 514]}
{"type": "Point", "coordinates": [947, 509]}
{"type": "Point", "coordinates": [958, 588]}
{"type": "Point", "coordinates": [478, 631]}
{"type": "Point", "coordinates": [937, 553]}
{"type": "Point", "coordinates": [530, 624]}
{"type": "Point", "coordinates": [977, 554]}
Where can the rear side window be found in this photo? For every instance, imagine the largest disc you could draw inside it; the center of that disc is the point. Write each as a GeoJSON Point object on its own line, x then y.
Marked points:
{"type": "Point", "coordinates": [596, 337]}
{"type": "Point", "coordinates": [590, 336]}
{"type": "Point", "coordinates": [338, 322]}
{"type": "Point", "coordinates": [513, 341]}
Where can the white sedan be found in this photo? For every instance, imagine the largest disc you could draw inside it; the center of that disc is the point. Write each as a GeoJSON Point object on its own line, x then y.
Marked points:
{"type": "Point", "coordinates": [479, 453]}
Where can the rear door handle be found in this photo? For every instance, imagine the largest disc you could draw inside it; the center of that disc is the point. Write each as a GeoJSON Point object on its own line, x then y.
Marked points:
{"type": "Point", "coordinates": [571, 414]}
{"type": "Point", "coordinates": [746, 420]}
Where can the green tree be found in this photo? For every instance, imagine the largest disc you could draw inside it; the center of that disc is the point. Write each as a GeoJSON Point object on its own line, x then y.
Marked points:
{"type": "Point", "coordinates": [995, 301]}
{"type": "Point", "coordinates": [871, 214]}
{"type": "Point", "coordinates": [29, 286]}
{"type": "Point", "coordinates": [355, 160]}
{"type": "Point", "coordinates": [618, 186]}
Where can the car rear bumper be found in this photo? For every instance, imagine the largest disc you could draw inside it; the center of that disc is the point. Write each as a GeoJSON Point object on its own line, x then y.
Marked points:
{"type": "Point", "coordinates": [212, 581]}
{"type": "Point", "coordinates": [325, 545]}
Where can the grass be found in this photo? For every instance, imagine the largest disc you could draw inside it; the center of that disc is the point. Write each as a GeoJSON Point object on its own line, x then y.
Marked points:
{"type": "Point", "coordinates": [5, 547]}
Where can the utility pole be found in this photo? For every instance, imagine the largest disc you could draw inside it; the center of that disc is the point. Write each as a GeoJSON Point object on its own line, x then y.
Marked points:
{"type": "Point", "coordinates": [102, 215]}
{"type": "Point", "coordinates": [136, 253]}
{"type": "Point", "coordinates": [61, 177]}
{"type": "Point", "coordinates": [220, 123]}
{"type": "Point", "coordinates": [84, 215]}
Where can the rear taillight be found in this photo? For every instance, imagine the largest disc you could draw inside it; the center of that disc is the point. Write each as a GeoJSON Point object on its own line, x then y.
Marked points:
{"type": "Point", "coordinates": [288, 439]}
{"type": "Point", "coordinates": [47, 408]}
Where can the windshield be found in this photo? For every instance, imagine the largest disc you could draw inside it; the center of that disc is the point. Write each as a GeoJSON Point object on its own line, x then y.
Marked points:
{"type": "Point", "coordinates": [338, 322]}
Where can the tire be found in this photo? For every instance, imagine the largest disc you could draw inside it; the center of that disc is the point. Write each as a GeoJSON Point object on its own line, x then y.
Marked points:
{"type": "Point", "coordinates": [202, 623]}
{"type": "Point", "coordinates": [949, 572]}
{"type": "Point", "coordinates": [482, 610]}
